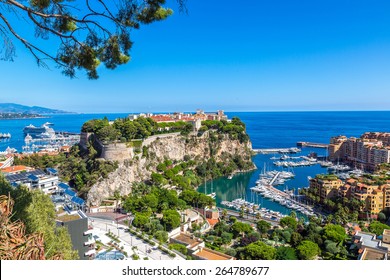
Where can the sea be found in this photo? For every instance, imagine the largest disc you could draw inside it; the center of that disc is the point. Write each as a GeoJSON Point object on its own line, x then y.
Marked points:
{"type": "Point", "coordinates": [266, 130]}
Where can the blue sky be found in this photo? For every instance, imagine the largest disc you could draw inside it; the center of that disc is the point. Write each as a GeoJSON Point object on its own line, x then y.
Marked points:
{"type": "Point", "coordinates": [249, 55]}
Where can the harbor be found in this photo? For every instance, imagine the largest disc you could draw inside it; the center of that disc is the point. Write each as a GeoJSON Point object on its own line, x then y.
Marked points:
{"type": "Point", "coordinates": [279, 184]}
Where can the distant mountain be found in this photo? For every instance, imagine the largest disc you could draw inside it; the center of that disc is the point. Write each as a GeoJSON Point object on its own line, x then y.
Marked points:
{"type": "Point", "coordinates": [17, 108]}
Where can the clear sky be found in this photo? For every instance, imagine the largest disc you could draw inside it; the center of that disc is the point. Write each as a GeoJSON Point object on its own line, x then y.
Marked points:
{"type": "Point", "coordinates": [248, 55]}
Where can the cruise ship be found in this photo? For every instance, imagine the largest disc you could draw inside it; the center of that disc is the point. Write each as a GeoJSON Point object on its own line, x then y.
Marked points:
{"type": "Point", "coordinates": [44, 131]}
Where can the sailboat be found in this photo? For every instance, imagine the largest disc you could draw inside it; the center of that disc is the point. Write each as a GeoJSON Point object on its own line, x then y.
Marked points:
{"type": "Point", "coordinates": [212, 194]}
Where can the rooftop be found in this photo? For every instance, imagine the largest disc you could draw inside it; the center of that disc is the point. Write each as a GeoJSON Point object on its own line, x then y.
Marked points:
{"type": "Point", "coordinates": [15, 169]}
{"type": "Point", "coordinates": [187, 239]}
{"type": "Point", "coordinates": [24, 175]}
{"type": "Point", "coordinates": [208, 254]}
{"type": "Point", "coordinates": [368, 239]}
{"type": "Point", "coordinates": [370, 254]}
{"type": "Point", "coordinates": [212, 222]}
{"type": "Point", "coordinates": [68, 218]}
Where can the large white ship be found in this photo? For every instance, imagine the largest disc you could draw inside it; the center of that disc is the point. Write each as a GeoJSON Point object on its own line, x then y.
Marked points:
{"type": "Point", "coordinates": [44, 131]}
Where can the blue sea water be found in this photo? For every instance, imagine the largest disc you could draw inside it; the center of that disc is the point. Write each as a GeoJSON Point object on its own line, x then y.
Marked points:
{"type": "Point", "coordinates": [266, 130]}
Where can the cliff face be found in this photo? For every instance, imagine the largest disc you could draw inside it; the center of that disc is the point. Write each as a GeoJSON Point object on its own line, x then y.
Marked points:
{"type": "Point", "coordinates": [138, 165]}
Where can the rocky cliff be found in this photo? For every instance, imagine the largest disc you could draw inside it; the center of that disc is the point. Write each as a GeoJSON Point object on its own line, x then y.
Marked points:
{"type": "Point", "coordinates": [138, 165]}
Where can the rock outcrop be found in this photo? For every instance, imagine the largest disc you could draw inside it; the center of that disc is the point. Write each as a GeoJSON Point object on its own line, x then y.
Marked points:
{"type": "Point", "coordinates": [138, 164]}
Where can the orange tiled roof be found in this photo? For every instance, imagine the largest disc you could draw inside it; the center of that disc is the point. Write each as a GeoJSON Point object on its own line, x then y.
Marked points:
{"type": "Point", "coordinates": [16, 168]}
{"type": "Point", "coordinates": [212, 222]}
{"type": "Point", "coordinates": [212, 255]}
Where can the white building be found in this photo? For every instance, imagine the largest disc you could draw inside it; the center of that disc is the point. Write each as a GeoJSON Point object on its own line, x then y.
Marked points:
{"type": "Point", "coordinates": [36, 179]}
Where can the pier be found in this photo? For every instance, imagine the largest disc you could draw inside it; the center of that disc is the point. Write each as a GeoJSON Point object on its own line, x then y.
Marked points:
{"type": "Point", "coordinates": [274, 178]}
{"type": "Point", "coordinates": [277, 150]}
{"type": "Point", "coordinates": [312, 145]}
{"type": "Point", "coordinates": [282, 197]}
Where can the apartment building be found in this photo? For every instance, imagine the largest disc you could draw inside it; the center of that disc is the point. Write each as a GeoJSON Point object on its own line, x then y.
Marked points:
{"type": "Point", "coordinates": [325, 186]}
{"type": "Point", "coordinates": [366, 152]}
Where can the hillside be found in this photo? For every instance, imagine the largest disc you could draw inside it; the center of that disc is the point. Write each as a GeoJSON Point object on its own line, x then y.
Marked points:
{"type": "Point", "coordinates": [33, 110]}
{"type": "Point", "coordinates": [178, 158]}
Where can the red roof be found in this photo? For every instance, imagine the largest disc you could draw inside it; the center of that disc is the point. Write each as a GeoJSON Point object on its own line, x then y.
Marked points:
{"type": "Point", "coordinates": [15, 169]}
{"type": "Point", "coordinates": [212, 222]}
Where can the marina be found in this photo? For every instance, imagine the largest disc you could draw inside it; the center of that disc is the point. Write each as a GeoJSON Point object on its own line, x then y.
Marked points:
{"type": "Point", "coordinates": [272, 188]}
{"type": "Point", "coordinates": [45, 138]}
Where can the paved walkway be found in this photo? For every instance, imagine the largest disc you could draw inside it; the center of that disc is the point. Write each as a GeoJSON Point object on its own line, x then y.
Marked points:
{"type": "Point", "coordinates": [128, 241]}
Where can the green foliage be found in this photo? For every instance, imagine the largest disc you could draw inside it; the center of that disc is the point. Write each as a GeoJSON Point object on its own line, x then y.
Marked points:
{"type": "Point", "coordinates": [181, 126]}
{"type": "Point", "coordinates": [335, 233]}
{"type": "Point", "coordinates": [108, 134]}
{"type": "Point", "coordinates": [235, 129]}
{"type": "Point", "coordinates": [37, 212]}
{"type": "Point", "coordinates": [258, 251]}
{"type": "Point", "coordinates": [88, 35]}
{"type": "Point", "coordinates": [141, 219]}
{"type": "Point", "coordinates": [161, 236]}
{"type": "Point", "coordinates": [226, 237]}
{"type": "Point", "coordinates": [308, 250]}
{"type": "Point", "coordinates": [263, 227]}
{"type": "Point", "coordinates": [382, 217]}
{"type": "Point", "coordinates": [377, 227]}
{"type": "Point", "coordinates": [295, 239]}
{"type": "Point", "coordinates": [289, 222]}
{"type": "Point", "coordinates": [171, 219]}
{"type": "Point", "coordinates": [286, 253]}
{"type": "Point", "coordinates": [196, 199]}
{"type": "Point", "coordinates": [179, 247]}
{"type": "Point", "coordinates": [239, 228]}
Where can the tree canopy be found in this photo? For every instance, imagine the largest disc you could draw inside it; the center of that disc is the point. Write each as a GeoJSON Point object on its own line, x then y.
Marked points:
{"type": "Point", "coordinates": [308, 250]}
{"type": "Point", "coordinates": [87, 33]}
{"type": "Point", "coordinates": [258, 251]}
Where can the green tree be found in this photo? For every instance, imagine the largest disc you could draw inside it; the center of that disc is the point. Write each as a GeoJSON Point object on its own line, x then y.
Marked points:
{"type": "Point", "coordinates": [239, 228]}
{"type": "Point", "coordinates": [87, 34]}
{"type": "Point", "coordinates": [289, 222]}
{"type": "Point", "coordinates": [286, 253]}
{"type": "Point", "coordinates": [37, 212]}
{"type": "Point", "coordinates": [295, 239]}
{"type": "Point", "coordinates": [377, 227]}
{"type": "Point", "coordinates": [308, 250]}
{"type": "Point", "coordinates": [161, 236]}
{"type": "Point", "coordinates": [258, 251]}
{"type": "Point", "coordinates": [263, 227]}
{"type": "Point", "coordinates": [335, 233]}
{"type": "Point", "coordinates": [382, 217]}
{"type": "Point", "coordinates": [171, 219]}
{"type": "Point", "coordinates": [141, 219]}
{"type": "Point", "coordinates": [226, 237]}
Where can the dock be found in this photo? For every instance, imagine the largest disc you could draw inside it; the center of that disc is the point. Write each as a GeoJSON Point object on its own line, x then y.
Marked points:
{"type": "Point", "coordinates": [312, 145]}
{"type": "Point", "coordinates": [277, 150]}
